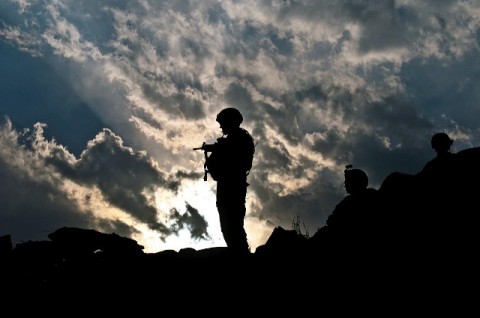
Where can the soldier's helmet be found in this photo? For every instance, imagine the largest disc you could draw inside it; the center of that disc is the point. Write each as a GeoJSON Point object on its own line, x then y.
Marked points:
{"type": "Point", "coordinates": [355, 179]}
{"type": "Point", "coordinates": [230, 116]}
{"type": "Point", "coordinates": [441, 141]}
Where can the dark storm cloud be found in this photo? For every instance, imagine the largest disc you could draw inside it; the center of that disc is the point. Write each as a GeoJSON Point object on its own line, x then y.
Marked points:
{"type": "Point", "coordinates": [121, 174]}
{"type": "Point", "coordinates": [191, 219]}
{"type": "Point", "coordinates": [37, 171]}
{"type": "Point", "coordinates": [310, 204]}
{"type": "Point", "coordinates": [383, 24]}
{"type": "Point", "coordinates": [181, 104]}
{"type": "Point", "coordinates": [31, 209]}
{"type": "Point", "coordinates": [438, 87]}
{"type": "Point", "coordinates": [31, 203]}
{"type": "Point", "coordinates": [366, 120]}
{"type": "Point", "coordinates": [275, 157]}
{"type": "Point", "coordinates": [187, 175]}
{"type": "Point", "coordinates": [263, 114]}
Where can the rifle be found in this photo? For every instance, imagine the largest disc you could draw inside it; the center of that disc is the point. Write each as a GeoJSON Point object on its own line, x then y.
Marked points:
{"type": "Point", "coordinates": [206, 148]}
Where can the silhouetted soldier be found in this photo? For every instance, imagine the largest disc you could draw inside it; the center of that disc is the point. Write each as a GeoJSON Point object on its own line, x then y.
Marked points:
{"type": "Point", "coordinates": [441, 143]}
{"type": "Point", "coordinates": [358, 207]}
{"type": "Point", "coordinates": [356, 221]}
{"type": "Point", "coordinates": [229, 165]}
{"type": "Point", "coordinates": [441, 189]}
{"type": "Point", "coordinates": [438, 177]}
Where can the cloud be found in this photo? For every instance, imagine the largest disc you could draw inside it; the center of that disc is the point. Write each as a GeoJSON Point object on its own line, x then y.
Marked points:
{"type": "Point", "coordinates": [321, 84]}
{"type": "Point", "coordinates": [195, 222]}
{"type": "Point", "coordinates": [126, 178]}
{"type": "Point", "coordinates": [32, 201]}
{"type": "Point", "coordinates": [49, 187]}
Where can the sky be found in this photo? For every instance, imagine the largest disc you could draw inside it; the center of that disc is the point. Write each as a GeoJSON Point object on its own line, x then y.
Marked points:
{"type": "Point", "coordinates": [102, 103]}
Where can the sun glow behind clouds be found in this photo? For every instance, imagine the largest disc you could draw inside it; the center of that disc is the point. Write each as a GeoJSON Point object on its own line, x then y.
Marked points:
{"type": "Point", "coordinates": [201, 196]}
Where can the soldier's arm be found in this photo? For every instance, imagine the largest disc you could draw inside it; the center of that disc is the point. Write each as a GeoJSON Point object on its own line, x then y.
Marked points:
{"type": "Point", "coordinates": [209, 147]}
{"type": "Point", "coordinates": [206, 147]}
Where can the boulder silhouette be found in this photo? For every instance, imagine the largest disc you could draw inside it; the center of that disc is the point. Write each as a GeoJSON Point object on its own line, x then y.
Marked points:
{"type": "Point", "coordinates": [86, 241]}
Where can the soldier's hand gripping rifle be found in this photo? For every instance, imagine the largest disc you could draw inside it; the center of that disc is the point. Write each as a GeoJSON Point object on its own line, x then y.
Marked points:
{"type": "Point", "coordinates": [206, 148]}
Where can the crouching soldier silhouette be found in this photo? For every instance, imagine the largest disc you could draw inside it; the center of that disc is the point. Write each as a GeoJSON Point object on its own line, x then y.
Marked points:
{"type": "Point", "coordinates": [355, 224]}
{"type": "Point", "coordinates": [229, 164]}
{"type": "Point", "coordinates": [444, 160]}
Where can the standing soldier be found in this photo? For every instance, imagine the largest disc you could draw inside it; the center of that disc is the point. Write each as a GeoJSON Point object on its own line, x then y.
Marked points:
{"type": "Point", "coordinates": [229, 164]}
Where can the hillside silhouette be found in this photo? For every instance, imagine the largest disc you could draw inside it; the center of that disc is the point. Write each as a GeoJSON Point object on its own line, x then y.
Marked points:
{"type": "Point", "coordinates": [425, 232]}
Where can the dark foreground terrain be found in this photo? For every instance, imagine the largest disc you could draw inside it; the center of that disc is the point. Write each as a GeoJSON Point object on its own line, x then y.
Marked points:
{"type": "Point", "coordinates": [418, 257]}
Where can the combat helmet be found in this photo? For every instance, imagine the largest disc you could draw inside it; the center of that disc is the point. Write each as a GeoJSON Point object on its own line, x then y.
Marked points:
{"type": "Point", "coordinates": [230, 116]}
{"type": "Point", "coordinates": [441, 141]}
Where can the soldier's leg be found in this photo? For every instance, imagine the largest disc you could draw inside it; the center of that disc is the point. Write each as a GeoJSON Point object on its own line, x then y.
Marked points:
{"type": "Point", "coordinates": [231, 209]}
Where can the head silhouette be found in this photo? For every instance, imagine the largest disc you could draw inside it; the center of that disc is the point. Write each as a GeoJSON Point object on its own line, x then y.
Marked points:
{"type": "Point", "coordinates": [441, 142]}
{"type": "Point", "coordinates": [229, 119]}
{"type": "Point", "coordinates": [356, 180]}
